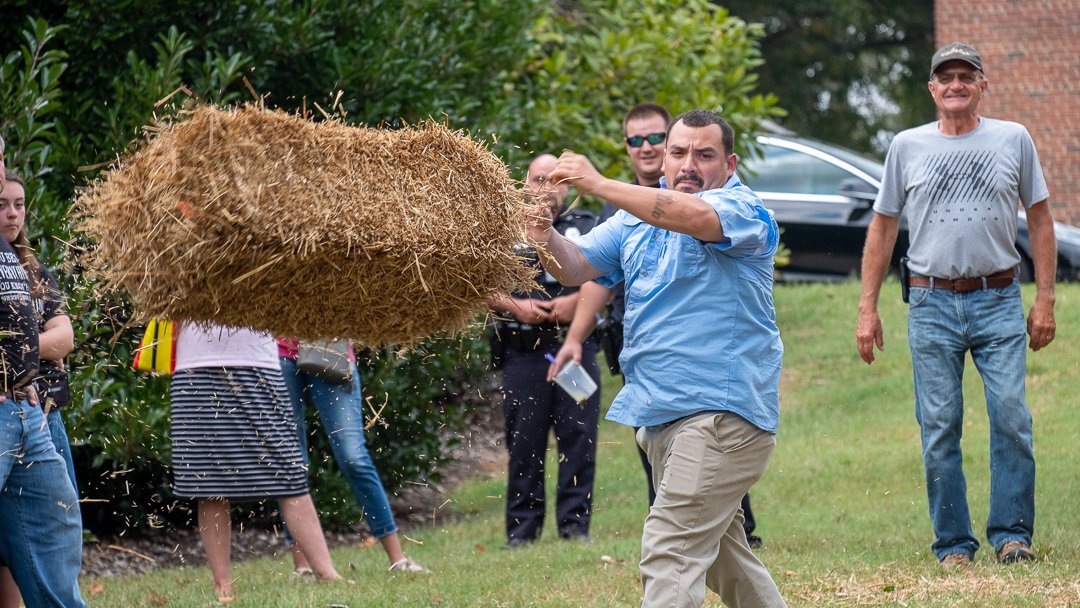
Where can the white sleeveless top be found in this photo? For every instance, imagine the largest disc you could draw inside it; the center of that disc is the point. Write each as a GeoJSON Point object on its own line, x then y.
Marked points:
{"type": "Point", "coordinates": [219, 346]}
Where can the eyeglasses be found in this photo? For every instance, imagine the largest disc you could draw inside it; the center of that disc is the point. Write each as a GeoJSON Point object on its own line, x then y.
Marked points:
{"type": "Point", "coordinates": [636, 141]}
{"type": "Point", "coordinates": [948, 77]}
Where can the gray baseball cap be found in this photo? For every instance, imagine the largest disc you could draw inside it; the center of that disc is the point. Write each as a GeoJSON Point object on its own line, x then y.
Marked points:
{"type": "Point", "coordinates": [958, 51]}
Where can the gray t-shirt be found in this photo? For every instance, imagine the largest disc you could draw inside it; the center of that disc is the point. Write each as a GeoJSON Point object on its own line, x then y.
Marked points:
{"type": "Point", "coordinates": [960, 194]}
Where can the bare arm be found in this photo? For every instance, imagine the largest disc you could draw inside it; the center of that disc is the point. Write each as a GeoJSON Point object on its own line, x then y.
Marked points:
{"type": "Point", "coordinates": [57, 339]}
{"type": "Point", "coordinates": [525, 310]}
{"type": "Point", "coordinates": [1041, 326]}
{"type": "Point", "coordinates": [880, 241]}
{"type": "Point", "coordinates": [559, 255]}
{"type": "Point", "coordinates": [563, 308]}
{"type": "Point", "coordinates": [593, 298]}
{"type": "Point", "coordinates": [667, 209]}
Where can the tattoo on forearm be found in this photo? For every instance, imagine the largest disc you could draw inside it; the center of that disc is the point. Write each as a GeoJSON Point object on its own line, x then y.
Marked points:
{"type": "Point", "coordinates": [663, 201]}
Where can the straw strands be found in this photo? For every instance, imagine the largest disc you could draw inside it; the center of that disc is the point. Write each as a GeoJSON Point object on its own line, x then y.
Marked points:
{"type": "Point", "coordinates": [983, 584]}
{"type": "Point", "coordinates": [259, 218]}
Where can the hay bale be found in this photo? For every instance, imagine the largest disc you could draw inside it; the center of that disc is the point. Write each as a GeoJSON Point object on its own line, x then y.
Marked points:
{"type": "Point", "coordinates": [259, 218]}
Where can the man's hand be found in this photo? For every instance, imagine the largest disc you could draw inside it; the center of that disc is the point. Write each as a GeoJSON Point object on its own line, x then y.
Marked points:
{"type": "Point", "coordinates": [571, 349]}
{"type": "Point", "coordinates": [31, 395]}
{"type": "Point", "coordinates": [529, 310]}
{"type": "Point", "coordinates": [1041, 327]}
{"type": "Point", "coordinates": [539, 221]}
{"type": "Point", "coordinates": [563, 307]}
{"type": "Point", "coordinates": [576, 169]}
{"type": "Point", "coordinates": [868, 334]}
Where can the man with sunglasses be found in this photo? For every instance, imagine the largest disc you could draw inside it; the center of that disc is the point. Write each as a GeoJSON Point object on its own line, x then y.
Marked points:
{"type": "Point", "coordinates": [959, 180]}
{"type": "Point", "coordinates": [645, 133]}
{"type": "Point", "coordinates": [702, 354]}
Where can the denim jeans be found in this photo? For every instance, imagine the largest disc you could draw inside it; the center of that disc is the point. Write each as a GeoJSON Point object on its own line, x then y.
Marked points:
{"type": "Point", "coordinates": [58, 432]}
{"type": "Point", "coordinates": [942, 327]}
{"type": "Point", "coordinates": [340, 408]}
{"type": "Point", "coordinates": [41, 538]}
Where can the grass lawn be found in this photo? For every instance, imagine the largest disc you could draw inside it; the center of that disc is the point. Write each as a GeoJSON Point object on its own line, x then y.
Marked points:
{"type": "Point", "coordinates": [842, 507]}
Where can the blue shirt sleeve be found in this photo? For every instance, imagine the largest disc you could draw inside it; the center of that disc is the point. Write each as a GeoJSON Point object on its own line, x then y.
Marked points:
{"type": "Point", "coordinates": [602, 247]}
{"type": "Point", "coordinates": [749, 227]}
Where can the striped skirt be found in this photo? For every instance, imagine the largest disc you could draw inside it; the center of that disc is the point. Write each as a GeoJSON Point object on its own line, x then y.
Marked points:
{"type": "Point", "coordinates": [234, 435]}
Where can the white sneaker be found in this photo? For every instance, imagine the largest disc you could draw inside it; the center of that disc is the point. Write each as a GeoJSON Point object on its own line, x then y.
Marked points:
{"type": "Point", "coordinates": [405, 564]}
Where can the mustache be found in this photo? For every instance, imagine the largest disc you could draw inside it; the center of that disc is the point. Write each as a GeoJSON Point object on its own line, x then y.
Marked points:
{"type": "Point", "coordinates": [688, 178]}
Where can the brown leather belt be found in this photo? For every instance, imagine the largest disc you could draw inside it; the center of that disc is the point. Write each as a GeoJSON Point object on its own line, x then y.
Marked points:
{"type": "Point", "coordinates": [993, 281]}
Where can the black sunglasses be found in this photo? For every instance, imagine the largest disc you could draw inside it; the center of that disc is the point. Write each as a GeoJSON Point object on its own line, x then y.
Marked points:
{"type": "Point", "coordinates": [636, 141]}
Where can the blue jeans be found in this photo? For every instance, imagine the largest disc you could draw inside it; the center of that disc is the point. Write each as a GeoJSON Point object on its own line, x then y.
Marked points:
{"type": "Point", "coordinates": [340, 408]}
{"type": "Point", "coordinates": [942, 327]}
{"type": "Point", "coordinates": [39, 511]}
{"type": "Point", "coordinates": [58, 432]}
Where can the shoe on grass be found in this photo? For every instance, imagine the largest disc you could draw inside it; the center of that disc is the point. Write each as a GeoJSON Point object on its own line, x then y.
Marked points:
{"type": "Point", "coordinates": [956, 561]}
{"type": "Point", "coordinates": [1015, 551]}
{"type": "Point", "coordinates": [517, 542]}
{"type": "Point", "coordinates": [406, 564]}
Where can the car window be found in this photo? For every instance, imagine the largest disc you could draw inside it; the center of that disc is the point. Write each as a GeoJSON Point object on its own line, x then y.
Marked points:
{"type": "Point", "coordinates": [790, 171]}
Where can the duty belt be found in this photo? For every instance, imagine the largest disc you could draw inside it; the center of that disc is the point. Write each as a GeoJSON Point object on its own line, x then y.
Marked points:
{"type": "Point", "coordinates": [528, 338]}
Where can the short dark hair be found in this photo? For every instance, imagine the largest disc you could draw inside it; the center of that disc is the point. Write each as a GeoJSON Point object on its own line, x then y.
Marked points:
{"type": "Point", "coordinates": [704, 118]}
{"type": "Point", "coordinates": [644, 110]}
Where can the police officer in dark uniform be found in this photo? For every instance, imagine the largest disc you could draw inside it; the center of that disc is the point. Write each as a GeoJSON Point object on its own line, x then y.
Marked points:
{"type": "Point", "coordinates": [528, 330]}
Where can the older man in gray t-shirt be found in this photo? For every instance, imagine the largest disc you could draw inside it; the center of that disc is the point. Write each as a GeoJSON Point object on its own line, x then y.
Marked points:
{"type": "Point", "coordinates": [960, 180]}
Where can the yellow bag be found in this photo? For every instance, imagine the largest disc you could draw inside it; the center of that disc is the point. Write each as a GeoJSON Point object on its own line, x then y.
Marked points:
{"type": "Point", "coordinates": [157, 350]}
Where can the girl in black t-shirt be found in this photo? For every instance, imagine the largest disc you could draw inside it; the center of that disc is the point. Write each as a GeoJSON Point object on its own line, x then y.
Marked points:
{"type": "Point", "coordinates": [43, 318]}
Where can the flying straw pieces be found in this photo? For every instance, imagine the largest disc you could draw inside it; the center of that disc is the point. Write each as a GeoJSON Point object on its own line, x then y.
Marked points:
{"type": "Point", "coordinates": [259, 218]}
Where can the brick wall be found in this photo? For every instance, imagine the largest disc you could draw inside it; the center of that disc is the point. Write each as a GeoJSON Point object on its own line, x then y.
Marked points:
{"type": "Point", "coordinates": [1031, 52]}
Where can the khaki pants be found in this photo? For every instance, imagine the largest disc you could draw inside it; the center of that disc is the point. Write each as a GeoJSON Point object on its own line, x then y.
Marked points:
{"type": "Point", "coordinates": [693, 536]}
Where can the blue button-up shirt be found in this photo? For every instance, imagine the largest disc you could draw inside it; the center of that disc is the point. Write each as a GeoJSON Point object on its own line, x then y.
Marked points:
{"type": "Point", "coordinates": [700, 329]}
